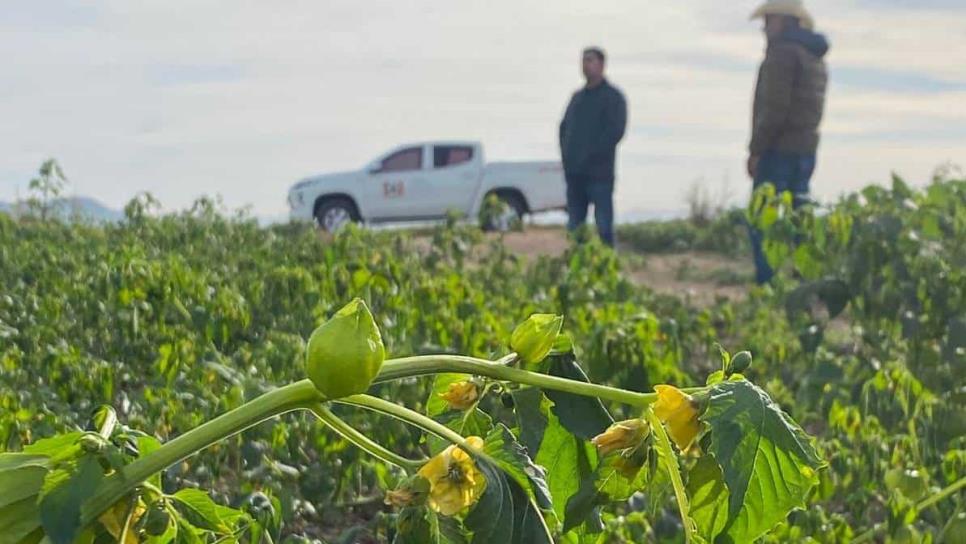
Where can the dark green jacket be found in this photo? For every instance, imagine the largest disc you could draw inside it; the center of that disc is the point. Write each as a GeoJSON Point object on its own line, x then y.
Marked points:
{"type": "Point", "coordinates": [589, 132]}
{"type": "Point", "coordinates": [790, 95]}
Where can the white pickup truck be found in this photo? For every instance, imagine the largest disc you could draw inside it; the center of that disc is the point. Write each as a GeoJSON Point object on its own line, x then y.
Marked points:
{"type": "Point", "coordinates": [424, 181]}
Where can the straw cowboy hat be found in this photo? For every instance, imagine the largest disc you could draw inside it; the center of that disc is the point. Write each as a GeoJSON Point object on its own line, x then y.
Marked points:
{"type": "Point", "coordinates": [793, 8]}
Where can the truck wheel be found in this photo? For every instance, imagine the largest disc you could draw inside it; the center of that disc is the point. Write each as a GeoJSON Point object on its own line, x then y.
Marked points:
{"type": "Point", "coordinates": [507, 215]}
{"type": "Point", "coordinates": [334, 213]}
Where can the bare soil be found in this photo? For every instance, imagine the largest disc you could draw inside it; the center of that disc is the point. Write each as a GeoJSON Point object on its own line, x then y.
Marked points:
{"type": "Point", "coordinates": [704, 277]}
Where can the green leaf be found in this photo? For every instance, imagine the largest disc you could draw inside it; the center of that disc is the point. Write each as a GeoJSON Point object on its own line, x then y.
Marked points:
{"type": "Point", "coordinates": [202, 512]}
{"type": "Point", "coordinates": [568, 460]}
{"type": "Point", "coordinates": [21, 476]}
{"type": "Point", "coordinates": [766, 460]}
{"type": "Point", "coordinates": [62, 495]}
{"type": "Point", "coordinates": [583, 416]}
{"type": "Point", "coordinates": [19, 520]}
{"type": "Point", "coordinates": [502, 447]}
{"type": "Point", "coordinates": [451, 531]}
{"type": "Point", "coordinates": [416, 525]}
{"type": "Point", "coordinates": [528, 524]}
{"type": "Point", "coordinates": [505, 512]}
{"type": "Point", "coordinates": [709, 498]}
{"type": "Point", "coordinates": [491, 520]}
{"type": "Point", "coordinates": [56, 447]}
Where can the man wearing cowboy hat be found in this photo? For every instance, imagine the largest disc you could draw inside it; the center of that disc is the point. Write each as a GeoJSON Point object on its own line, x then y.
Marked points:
{"type": "Point", "coordinates": [788, 107]}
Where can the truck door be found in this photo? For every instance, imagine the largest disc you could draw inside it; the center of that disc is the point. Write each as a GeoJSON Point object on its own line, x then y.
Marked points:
{"type": "Point", "coordinates": [450, 183]}
{"type": "Point", "coordinates": [389, 186]}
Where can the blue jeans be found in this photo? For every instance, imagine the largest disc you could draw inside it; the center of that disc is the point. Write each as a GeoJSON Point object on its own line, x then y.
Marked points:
{"type": "Point", "coordinates": [787, 172]}
{"type": "Point", "coordinates": [581, 193]}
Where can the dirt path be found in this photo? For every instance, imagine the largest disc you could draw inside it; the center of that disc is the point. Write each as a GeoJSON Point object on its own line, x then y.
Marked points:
{"type": "Point", "coordinates": [704, 277]}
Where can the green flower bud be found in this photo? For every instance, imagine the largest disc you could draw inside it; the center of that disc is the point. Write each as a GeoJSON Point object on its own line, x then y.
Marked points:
{"type": "Point", "coordinates": [534, 338]}
{"type": "Point", "coordinates": [346, 352]}
{"type": "Point", "coordinates": [740, 362]}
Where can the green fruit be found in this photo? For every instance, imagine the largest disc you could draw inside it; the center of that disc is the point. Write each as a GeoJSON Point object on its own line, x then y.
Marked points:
{"type": "Point", "coordinates": [740, 362]}
{"type": "Point", "coordinates": [157, 520]}
{"type": "Point", "coordinates": [346, 352]}
{"type": "Point", "coordinates": [913, 484]}
{"type": "Point", "coordinates": [534, 338]}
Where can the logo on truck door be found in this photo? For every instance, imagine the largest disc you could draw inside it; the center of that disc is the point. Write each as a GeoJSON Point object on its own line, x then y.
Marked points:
{"type": "Point", "coordinates": [393, 189]}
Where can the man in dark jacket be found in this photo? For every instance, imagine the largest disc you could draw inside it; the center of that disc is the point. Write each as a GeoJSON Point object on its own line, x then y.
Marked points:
{"type": "Point", "coordinates": [788, 107]}
{"type": "Point", "coordinates": [591, 128]}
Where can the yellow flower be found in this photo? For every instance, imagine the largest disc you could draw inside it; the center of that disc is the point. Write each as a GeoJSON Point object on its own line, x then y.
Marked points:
{"type": "Point", "coordinates": [461, 395]}
{"type": "Point", "coordinates": [679, 412]}
{"type": "Point", "coordinates": [455, 482]}
{"type": "Point", "coordinates": [622, 435]}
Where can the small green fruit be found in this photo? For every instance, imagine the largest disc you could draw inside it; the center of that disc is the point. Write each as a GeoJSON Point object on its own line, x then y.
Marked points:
{"type": "Point", "coordinates": [346, 352]}
{"type": "Point", "coordinates": [157, 520]}
{"type": "Point", "coordinates": [534, 338]}
{"type": "Point", "coordinates": [740, 362]}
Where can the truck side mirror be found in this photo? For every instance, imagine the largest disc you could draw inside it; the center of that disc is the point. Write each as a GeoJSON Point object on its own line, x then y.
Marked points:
{"type": "Point", "coordinates": [374, 167]}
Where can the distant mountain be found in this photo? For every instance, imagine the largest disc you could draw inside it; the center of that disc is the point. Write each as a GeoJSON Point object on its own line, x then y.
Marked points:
{"type": "Point", "coordinates": [79, 206]}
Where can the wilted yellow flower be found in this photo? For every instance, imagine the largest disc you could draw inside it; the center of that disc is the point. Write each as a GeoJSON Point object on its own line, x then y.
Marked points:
{"type": "Point", "coordinates": [621, 435]}
{"type": "Point", "coordinates": [411, 492]}
{"type": "Point", "coordinates": [679, 412]}
{"type": "Point", "coordinates": [461, 395]}
{"type": "Point", "coordinates": [455, 482]}
{"type": "Point", "coordinates": [113, 520]}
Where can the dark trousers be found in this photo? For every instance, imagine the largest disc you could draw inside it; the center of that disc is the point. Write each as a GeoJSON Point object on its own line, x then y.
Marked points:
{"type": "Point", "coordinates": [581, 193]}
{"type": "Point", "coordinates": [787, 172]}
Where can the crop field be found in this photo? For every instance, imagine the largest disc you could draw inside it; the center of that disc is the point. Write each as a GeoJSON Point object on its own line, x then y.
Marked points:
{"type": "Point", "coordinates": [195, 377]}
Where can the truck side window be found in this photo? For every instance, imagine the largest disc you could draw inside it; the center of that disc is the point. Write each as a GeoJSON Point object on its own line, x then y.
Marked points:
{"type": "Point", "coordinates": [404, 160]}
{"type": "Point", "coordinates": [451, 155]}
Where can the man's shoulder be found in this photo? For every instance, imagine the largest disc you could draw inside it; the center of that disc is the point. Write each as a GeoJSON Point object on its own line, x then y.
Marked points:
{"type": "Point", "coordinates": [613, 90]}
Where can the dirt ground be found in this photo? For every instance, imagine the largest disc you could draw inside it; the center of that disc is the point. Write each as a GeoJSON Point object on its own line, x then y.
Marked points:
{"type": "Point", "coordinates": [704, 277]}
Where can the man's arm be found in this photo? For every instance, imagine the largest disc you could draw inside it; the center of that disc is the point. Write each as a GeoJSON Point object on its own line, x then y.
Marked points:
{"type": "Point", "coordinates": [775, 83]}
{"type": "Point", "coordinates": [563, 122]}
{"type": "Point", "coordinates": [615, 123]}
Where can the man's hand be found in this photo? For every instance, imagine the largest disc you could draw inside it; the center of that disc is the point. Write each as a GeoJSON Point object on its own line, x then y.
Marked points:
{"type": "Point", "coordinates": [753, 166]}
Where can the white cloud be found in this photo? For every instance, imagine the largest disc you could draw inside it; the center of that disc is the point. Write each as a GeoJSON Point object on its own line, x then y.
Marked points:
{"type": "Point", "coordinates": [242, 98]}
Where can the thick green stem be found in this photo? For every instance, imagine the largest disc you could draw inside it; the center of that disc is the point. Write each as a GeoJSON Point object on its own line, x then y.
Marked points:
{"type": "Point", "coordinates": [395, 369]}
{"type": "Point", "coordinates": [674, 471]}
{"type": "Point", "coordinates": [278, 401]}
{"type": "Point", "coordinates": [362, 441]}
{"type": "Point", "coordinates": [303, 395]}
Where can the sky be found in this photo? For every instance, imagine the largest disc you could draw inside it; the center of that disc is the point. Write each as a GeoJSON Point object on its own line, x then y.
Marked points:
{"type": "Point", "coordinates": [243, 98]}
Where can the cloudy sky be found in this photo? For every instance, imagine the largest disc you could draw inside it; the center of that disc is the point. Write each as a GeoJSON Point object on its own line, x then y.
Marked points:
{"type": "Point", "coordinates": [241, 98]}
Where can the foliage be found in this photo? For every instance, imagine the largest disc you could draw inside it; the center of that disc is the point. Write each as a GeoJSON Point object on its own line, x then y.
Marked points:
{"type": "Point", "coordinates": [179, 318]}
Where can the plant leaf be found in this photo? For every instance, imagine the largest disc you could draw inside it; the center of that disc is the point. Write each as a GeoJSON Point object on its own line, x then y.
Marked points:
{"type": "Point", "coordinates": [766, 459]}
{"type": "Point", "coordinates": [585, 417]}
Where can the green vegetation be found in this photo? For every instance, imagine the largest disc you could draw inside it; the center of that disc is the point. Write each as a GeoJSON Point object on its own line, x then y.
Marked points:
{"type": "Point", "coordinates": [176, 320]}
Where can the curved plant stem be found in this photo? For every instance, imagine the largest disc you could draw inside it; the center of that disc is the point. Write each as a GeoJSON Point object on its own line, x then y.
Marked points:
{"type": "Point", "coordinates": [395, 369]}
{"type": "Point", "coordinates": [278, 401]}
{"type": "Point", "coordinates": [411, 417]}
{"type": "Point", "coordinates": [671, 464]}
{"type": "Point", "coordinates": [362, 441]}
{"type": "Point", "coordinates": [303, 395]}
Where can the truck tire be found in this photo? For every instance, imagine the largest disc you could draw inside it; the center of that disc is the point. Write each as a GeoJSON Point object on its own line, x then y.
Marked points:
{"type": "Point", "coordinates": [334, 213]}
{"type": "Point", "coordinates": [515, 209]}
